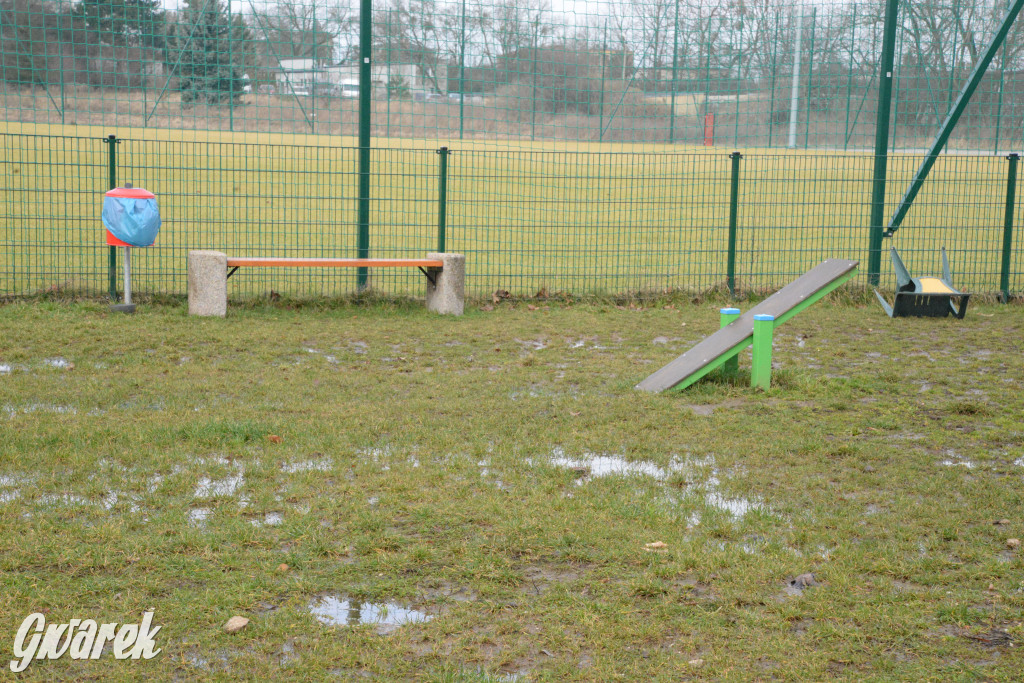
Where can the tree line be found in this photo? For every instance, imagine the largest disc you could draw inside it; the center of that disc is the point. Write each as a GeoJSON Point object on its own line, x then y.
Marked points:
{"type": "Point", "coordinates": [651, 46]}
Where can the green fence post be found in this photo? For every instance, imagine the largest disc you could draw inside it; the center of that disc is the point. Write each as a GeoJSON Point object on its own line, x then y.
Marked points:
{"type": "Point", "coordinates": [761, 366]}
{"type": "Point", "coordinates": [1011, 192]}
{"type": "Point", "coordinates": [112, 142]}
{"type": "Point", "coordinates": [365, 104]}
{"type": "Point", "coordinates": [387, 125]}
{"type": "Point", "coordinates": [775, 69]}
{"type": "Point", "coordinates": [600, 101]}
{"type": "Point", "coordinates": [727, 315]}
{"type": "Point", "coordinates": [734, 190]}
{"type": "Point", "coordinates": [442, 197]}
{"type": "Point", "coordinates": [533, 88]}
{"type": "Point", "coordinates": [462, 72]}
{"type": "Point", "coordinates": [849, 79]}
{"type": "Point", "coordinates": [810, 74]}
{"type": "Point", "coordinates": [675, 74]}
{"type": "Point", "coordinates": [881, 143]}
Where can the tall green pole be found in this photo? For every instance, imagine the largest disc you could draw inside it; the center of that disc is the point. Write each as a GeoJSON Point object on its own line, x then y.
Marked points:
{"type": "Point", "coordinates": [952, 59]}
{"type": "Point", "coordinates": [112, 143]}
{"type": "Point", "coordinates": [775, 69]}
{"type": "Point", "coordinates": [442, 198]}
{"type": "Point", "coordinates": [675, 59]}
{"type": "Point", "coordinates": [387, 117]}
{"type": "Point", "coordinates": [462, 72]}
{"type": "Point", "coordinates": [881, 142]}
{"type": "Point", "coordinates": [849, 80]}
{"type": "Point", "coordinates": [231, 71]}
{"type": "Point", "coordinates": [896, 92]}
{"type": "Point", "coordinates": [810, 74]}
{"type": "Point", "coordinates": [707, 76]}
{"type": "Point", "coordinates": [533, 88]}
{"type": "Point", "coordinates": [739, 76]}
{"type": "Point", "coordinates": [365, 103]}
{"type": "Point", "coordinates": [1011, 191]}
{"type": "Point", "coordinates": [734, 191]}
{"type": "Point", "coordinates": [999, 107]}
{"type": "Point", "coordinates": [600, 100]}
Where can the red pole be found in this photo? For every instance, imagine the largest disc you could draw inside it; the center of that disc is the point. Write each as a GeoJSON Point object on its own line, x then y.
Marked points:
{"type": "Point", "coordinates": [709, 130]}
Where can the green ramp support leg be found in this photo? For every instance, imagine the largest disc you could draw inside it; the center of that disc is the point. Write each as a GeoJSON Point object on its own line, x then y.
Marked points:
{"type": "Point", "coordinates": [732, 365]}
{"type": "Point", "coordinates": [761, 369]}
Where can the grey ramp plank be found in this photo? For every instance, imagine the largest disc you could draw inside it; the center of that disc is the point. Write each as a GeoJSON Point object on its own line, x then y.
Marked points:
{"type": "Point", "coordinates": [778, 304]}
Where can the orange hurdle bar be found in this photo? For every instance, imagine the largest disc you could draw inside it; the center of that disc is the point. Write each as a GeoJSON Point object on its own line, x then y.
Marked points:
{"type": "Point", "coordinates": [333, 262]}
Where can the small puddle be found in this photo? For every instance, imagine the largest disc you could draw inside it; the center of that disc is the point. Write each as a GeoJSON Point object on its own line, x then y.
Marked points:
{"type": "Point", "coordinates": [1019, 462]}
{"type": "Point", "coordinates": [59, 363]}
{"type": "Point", "coordinates": [5, 369]}
{"type": "Point", "coordinates": [332, 611]}
{"type": "Point", "coordinates": [197, 517]}
{"type": "Point", "coordinates": [269, 519]}
{"type": "Point", "coordinates": [40, 408]}
{"type": "Point", "coordinates": [957, 463]}
{"type": "Point", "coordinates": [321, 465]}
{"type": "Point", "coordinates": [705, 484]}
{"type": "Point", "coordinates": [208, 488]}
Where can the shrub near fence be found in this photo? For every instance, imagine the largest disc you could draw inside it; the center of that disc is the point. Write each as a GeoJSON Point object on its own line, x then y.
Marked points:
{"type": "Point", "coordinates": [577, 222]}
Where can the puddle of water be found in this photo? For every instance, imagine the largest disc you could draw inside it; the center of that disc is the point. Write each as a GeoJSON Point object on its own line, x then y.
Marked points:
{"type": "Point", "coordinates": [5, 369]}
{"type": "Point", "coordinates": [62, 499]}
{"type": "Point", "coordinates": [112, 498]}
{"type": "Point", "coordinates": [40, 408]}
{"type": "Point", "coordinates": [269, 519]}
{"type": "Point", "coordinates": [358, 346]}
{"type": "Point", "coordinates": [332, 611]}
{"type": "Point", "coordinates": [591, 466]}
{"type": "Point", "coordinates": [288, 655]}
{"type": "Point", "coordinates": [320, 465]}
{"type": "Point", "coordinates": [220, 487]}
{"type": "Point", "coordinates": [197, 517]}
{"type": "Point", "coordinates": [957, 463]}
{"type": "Point", "coordinates": [8, 496]}
{"type": "Point", "coordinates": [1019, 462]}
{"type": "Point", "coordinates": [535, 344]}
{"type": "Point", "coordinates": [737, 507]}
{"type": "Point", "coordinates": [606, 465]}
{"type": "Point", "coordinates": [60, 363]}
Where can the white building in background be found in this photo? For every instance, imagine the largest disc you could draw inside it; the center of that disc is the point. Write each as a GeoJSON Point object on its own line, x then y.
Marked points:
{"type": "Point", "coordinates": [302, 76]}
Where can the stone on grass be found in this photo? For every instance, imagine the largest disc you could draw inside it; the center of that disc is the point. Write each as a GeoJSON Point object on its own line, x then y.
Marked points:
{"type": "Point", "coordinates": [235, 624]}
{"type": "Point", "coordinates": [1013, 543]}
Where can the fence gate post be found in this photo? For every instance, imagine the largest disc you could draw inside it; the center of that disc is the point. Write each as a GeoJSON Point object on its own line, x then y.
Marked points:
{"type": "Point", "coordinates": [112, 142]}
{"type": "Point", "coordinates": [734, 190]}
{"type": "Point", "coordinates": [1011, 191]}
{"type": "Point", "coordinates": [442, 198]}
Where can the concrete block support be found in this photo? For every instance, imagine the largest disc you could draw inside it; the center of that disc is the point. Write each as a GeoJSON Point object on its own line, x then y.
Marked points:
{"type": "Point", "coordinates": [207, 283]}
{"type": "Point", "coordinates": [447, 294]}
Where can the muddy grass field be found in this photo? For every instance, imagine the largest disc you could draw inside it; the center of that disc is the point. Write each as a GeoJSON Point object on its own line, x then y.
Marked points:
{"type": "Point", "coordinates": [389, 495]}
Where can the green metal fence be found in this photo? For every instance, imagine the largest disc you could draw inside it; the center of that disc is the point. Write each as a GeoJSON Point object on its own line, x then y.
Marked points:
{"type": "Point", "coordinates": [752, 74]}
{"type": "Point", "coordinates": [572, 221]}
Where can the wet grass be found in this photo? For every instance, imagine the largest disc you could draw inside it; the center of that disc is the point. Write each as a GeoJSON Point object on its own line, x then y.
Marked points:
{"type": "Point", "coordinates": [378, 455]}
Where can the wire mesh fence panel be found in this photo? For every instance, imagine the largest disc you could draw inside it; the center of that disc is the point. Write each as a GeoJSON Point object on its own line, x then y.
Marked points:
{"type": "Point", "coordinates": [589, 222]}
{"type": "Point", "coordinates": [558, 221]}
{"type": "Point", "coordinates": [49, 213]}
{"type": "Point", "coordinates": [768, 73]}
{"type": "Point", "coordinates": [961, 208]}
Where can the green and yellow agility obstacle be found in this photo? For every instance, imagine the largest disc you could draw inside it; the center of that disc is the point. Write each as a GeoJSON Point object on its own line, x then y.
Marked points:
{"type": "Point", "coordinates": [756, 327]}
{"type": "Point", "coordinates": [930, 297]}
